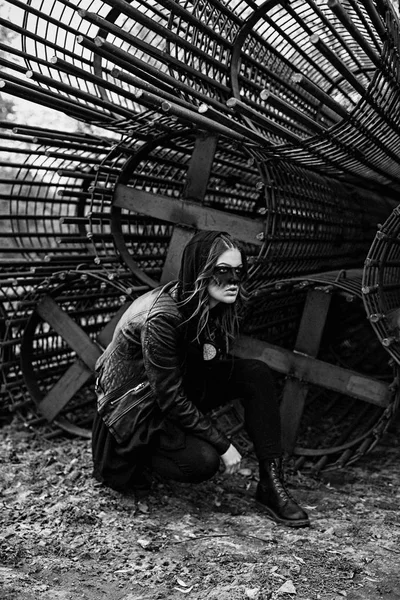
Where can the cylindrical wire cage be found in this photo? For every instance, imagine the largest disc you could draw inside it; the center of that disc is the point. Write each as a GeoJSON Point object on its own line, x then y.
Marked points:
{"type": "Point", "coordinates": [54, 334]}
{"type": "Point", "coordinates": [298, 104]}
{"type": "Point", "coordinates": [381, 284]}
{"type": "Point", "coordinates": [313, 83]}
{"type": "Point", "coordinates": [336, 428]}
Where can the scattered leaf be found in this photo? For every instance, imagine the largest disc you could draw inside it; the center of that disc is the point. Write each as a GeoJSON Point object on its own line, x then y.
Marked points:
{"type": "Point", "coordinates": [184, 590]}
{"type": "Point", "coordinates": [299, 559]}
{"type": "Point", "coordinates": [287, 588]}
{"type": "Point", "coordinates": [252, 593]}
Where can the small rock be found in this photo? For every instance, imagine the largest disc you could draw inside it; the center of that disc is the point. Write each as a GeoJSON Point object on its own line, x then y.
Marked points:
{"type": "Point", "coordinates": [245, 472]}
{"type": "Point", "coordinates": [252, 593]}
{"type": "Point", "coordinates": [287, 588]}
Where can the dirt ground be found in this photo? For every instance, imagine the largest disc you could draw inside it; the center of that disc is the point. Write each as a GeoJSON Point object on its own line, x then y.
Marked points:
{"type": "Point", "coordinates": [64, 537]}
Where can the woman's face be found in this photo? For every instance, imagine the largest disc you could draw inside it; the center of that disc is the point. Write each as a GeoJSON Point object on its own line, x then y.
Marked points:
{"type": "Point", "coordinates": [227, 274]}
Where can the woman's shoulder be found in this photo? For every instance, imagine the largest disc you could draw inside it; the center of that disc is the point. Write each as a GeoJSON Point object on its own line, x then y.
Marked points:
{"type": "Point", "coordinates": [154, 304]}
{"type": "Point", "coordinates": [165, 303]}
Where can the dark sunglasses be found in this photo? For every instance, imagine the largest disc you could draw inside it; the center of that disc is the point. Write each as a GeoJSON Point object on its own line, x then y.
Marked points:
{"type": "Point", "coordinates": [224, 273]}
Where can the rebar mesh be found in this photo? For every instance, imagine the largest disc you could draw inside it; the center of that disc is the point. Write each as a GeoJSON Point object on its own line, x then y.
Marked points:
{"type": "Point", "coordinates": [314, 82]}
{"type": "Point", "coordinates": [381, 284]}
{"type": "Point", "coordinates": [336, 428]}
{"type": "Point", "coordinates": [301, 102]}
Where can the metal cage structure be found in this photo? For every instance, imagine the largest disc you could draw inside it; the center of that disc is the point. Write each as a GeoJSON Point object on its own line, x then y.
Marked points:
{"type": "Point", "coordinates": [339, 389]}
{"type": "Point", "coordinates": [276, 121]}
{"type": "Point", "coordinates": [381, 285]}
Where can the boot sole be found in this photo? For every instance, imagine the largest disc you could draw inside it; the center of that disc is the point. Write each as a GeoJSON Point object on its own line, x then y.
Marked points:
{"type": "Point", "coordinates": [288, 522]}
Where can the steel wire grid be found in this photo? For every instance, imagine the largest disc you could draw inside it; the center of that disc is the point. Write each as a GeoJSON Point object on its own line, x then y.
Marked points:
{"type": "Point", "coordinates": [194, 85]}
{"type": "Point", "coordinates": [316, 83]}
{"type": "Point", "coordinates": [43, 194]}
{"type": "Point", "coordinates": [38, 351]}
{"type": "Point", "coordinates": [60, 212]}
{"type": "Point", "coordinates": [46, 177]}
{"type": "Point", "coordinates": [310, 222]}
{"type": "Point", "coordinates": [160, 168]}
{"type": "Point", "coordinates": [324, 54]}
{"type": "Point", "coordinates": [335, 428]}
{"type": "Point", "coordinates": [381, 285]}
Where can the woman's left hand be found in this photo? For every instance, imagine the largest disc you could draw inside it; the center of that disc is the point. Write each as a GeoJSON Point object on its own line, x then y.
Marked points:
{"type": "Point", "coordinates": [231, 460]}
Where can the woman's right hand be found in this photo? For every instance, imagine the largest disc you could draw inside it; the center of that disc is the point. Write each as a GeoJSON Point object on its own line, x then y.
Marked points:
{"type": "Point", "coordinates": [231, 460]}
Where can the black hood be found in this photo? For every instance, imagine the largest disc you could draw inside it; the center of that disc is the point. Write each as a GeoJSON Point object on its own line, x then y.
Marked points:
{"type": "Point", "coordinates": [194, 258]}
{"type": "Point", "coordinates": [193, 261]}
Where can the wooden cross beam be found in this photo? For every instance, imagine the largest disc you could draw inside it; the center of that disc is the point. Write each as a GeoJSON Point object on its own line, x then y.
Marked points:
{"type": "Point", "coordinates": [189, 214]}
{"type": "Point", "coordinates": [308, 340]}
{"type": "Point", "coordinates": [303, 369]}
{"type": "Point", "coordinates": [309, 370]}
{"type": "Point", "coordinates": [83, 368]}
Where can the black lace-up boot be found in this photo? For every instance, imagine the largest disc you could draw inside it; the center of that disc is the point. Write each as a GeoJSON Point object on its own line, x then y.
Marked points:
{"type": "Point", "coordinates": [274, 498]}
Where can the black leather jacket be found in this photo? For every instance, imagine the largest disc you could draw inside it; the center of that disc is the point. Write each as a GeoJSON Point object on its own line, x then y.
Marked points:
{"type": "Point", "coordinates": [140, 375]}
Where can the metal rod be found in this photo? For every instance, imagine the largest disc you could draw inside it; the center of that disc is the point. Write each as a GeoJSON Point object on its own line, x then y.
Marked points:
{"type": "Point", "coordinates": [153, 51]}
{"type": "Point", "coordinates": [356, 34]}
{"type": "Point", "coordinates": [142, 69]}
{"type": "Point", "coordinates": [268, 124]}
{"type": "Point", "coordinates": [338, 64]}
{"type": "Point", "coordinates": [50, 100]}
{"type": "Point", "coordinates": [318, 93]}
{"type": "Point", "coordinates": [24, 32]}
{"type": "Point", "coordinates": [63, 87]}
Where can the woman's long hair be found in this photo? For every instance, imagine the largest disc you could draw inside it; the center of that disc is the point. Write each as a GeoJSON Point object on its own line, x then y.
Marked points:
{"type": "Point", "coordinates": [195, 302]}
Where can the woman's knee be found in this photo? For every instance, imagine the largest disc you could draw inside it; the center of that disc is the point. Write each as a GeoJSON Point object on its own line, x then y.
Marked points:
{"type": "Point", "coordinates": [254, 370]}
{"type": "Point", "coordinates": [205, 462]}
{"type": "Point", "coordinates": [197, 462]}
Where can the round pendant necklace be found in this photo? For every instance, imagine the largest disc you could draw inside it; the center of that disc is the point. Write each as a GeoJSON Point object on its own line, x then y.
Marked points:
{"type": "Point", "coordinates": [209, 351]}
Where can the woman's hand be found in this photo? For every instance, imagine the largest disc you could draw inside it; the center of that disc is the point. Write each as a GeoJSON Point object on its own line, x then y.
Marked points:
{"type": "Point", "coordinates": [231, 460]}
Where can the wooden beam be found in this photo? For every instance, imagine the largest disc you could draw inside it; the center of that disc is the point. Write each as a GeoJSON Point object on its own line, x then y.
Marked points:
{"type": "Point", "coordinates": [312, 322]}
{"type": "Point", "coordinates": [79, 372]}
{"type": "Point", "coordinates": [69, 330]}
{"type": "Point", "coordinates": [65, 388]}
{"type": "Point", "coordinates": [314, 371]}
{"type": "Point", "coordinates": [183, 212]}
{"type": "Point", "coordinates": [308, 340]}
{"type": "Point", "coordinates": [195, 189]}
{"type": "Point", "coordinates": [200, 166]}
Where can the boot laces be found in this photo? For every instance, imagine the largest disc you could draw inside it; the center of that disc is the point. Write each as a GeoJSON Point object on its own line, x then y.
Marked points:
{"type": "Point", "coordinates": [279, 484]}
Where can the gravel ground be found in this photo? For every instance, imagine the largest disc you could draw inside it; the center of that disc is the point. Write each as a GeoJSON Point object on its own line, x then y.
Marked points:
{"type": "Point", "coordinates": [65, 537]}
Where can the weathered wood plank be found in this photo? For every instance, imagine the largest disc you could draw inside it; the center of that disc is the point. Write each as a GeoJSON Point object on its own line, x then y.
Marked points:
{"type": "Point", "coordinates": [200, 166]}
{"type": "Point", "coordinates": [195, 188]}
{"type": "Point", "coordinates": [183, 212]}
{"type": "Point", "coordinates": [69, 330]}
{"type": "Point", "coordinates": [65, 388]}
{"type": "Point", "coordinates": [316, 372]}
{"type": "Point", "coordinates": [308, 340]}
{"type": "Point", "coordinates": [312, 322]}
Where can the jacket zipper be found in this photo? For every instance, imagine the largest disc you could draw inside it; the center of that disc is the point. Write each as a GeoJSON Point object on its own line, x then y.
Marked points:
{"type": "Point", "coordinates": [138, 401]}
{"type": "Point", "coordinates": [135, 389]}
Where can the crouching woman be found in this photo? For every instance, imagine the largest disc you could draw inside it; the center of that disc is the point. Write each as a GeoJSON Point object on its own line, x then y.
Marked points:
{"type": "Point", "coordinates": [168, 365]}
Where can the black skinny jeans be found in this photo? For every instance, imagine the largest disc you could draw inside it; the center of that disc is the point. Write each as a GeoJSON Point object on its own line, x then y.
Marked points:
{"type": "Point", "coordinates": [251, 381]}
